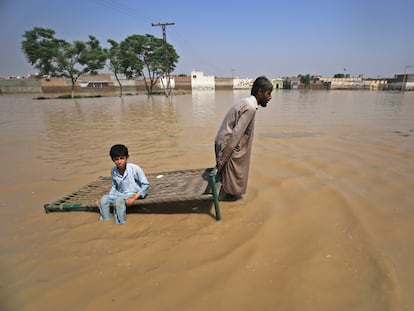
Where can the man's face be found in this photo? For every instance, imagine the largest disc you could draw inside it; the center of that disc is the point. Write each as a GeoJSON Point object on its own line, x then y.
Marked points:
{"type": "Point", "coordinates": [264, 97]}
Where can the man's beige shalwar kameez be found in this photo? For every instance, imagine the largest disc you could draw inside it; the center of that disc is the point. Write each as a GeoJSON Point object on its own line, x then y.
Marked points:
{"type": "Point", "coordinates": [233, 145]}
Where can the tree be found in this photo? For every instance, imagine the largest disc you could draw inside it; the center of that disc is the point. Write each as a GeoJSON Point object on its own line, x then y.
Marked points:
{"type": "Point", "coordinates": [115, 61]}
{"type": "Point", "coordinates": [57, 57]}
{"type": "Point", "coordinates": [130, 61]}
{"type": "Point", "coordinates": [305, 79]}
{"type": "Point", "coordinates": [137, 56]}
{"type": "Point", "coordinates": [148, 57]}
{"type": "Point", "coordinates": [40, 48]}
{"type": "Point", "coordinates": [339, 75]}
{"type": "Point", "coordinates": [77, 58]}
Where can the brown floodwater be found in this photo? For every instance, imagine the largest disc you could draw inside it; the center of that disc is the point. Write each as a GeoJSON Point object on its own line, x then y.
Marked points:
{"type": "Point", "coordinates": [327, 222]}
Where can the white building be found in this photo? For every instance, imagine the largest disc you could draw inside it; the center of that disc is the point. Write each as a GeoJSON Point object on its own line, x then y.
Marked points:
{"type": "Point", "coordinates": [201, 82]}
{"type": "Point", "coordinates": [344, 83]}
{"type": "Point", "coordinates": [242, 83]}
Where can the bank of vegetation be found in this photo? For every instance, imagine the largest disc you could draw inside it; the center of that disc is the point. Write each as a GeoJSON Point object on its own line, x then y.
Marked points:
{"type": "Point", "coordinates": [137, 56]}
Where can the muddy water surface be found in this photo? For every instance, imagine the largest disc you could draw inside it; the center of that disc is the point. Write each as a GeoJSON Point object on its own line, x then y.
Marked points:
{"type": "Point", "coordinates": [327, 222]}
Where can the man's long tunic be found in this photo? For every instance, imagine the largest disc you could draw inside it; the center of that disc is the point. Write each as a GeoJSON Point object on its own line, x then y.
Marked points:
{"type": "Point", "coordinates": [233, 145]}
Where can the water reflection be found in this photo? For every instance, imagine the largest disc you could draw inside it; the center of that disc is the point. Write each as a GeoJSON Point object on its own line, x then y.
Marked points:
{"type": "Point", "coordinates": [203, 104]}
{"type": "Point", "coordinates": [86, 128]}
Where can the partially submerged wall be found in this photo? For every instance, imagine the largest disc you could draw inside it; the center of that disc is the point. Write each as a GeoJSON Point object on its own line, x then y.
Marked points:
{"type": "Point", "coordinates": [20, 86]}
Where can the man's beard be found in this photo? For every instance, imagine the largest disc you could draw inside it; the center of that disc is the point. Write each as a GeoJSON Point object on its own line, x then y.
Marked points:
{"type": "Point", "coordinates": [263, 102]}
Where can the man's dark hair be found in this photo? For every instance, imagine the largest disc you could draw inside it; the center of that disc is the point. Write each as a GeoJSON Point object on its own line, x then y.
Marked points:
{"type": "Point", "coordinates": [261, 83]}
{"type": "Point", "coordinates": [118, 151]}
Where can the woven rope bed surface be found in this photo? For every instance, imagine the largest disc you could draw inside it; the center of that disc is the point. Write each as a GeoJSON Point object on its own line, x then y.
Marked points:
{"type": "Point", "coordinates": [165, 187]}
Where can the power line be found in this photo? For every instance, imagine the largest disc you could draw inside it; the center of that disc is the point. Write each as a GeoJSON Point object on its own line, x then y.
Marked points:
{"type": "Point", "coordinates": [123, 9]}
{"type": "Point", "coordinates": [179, 38]}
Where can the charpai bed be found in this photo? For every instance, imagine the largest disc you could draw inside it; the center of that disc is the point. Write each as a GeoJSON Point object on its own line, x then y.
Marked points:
{"type": "Point", "coordinates": [166, 188]}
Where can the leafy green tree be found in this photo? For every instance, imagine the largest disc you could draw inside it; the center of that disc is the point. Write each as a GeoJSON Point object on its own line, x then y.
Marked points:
{"type": "Point", "coordinates": [57, 57]}
{"type": "Point", "coordinates": [339, 75]}
{"type": "Point", "coordinates": [137, 56]}
{"type": "Point", "coordinates": [305, 79]}
{"type": "Point", "coordinates": [131, 59]}
{"type": "Point", "coordinates": [93, 57]}
{"type": "Point", "coordinates": [40, 48]}
{"type": "Point", "coordinates": [77, 58]}
{"type": "Point", "coordinates": [115, 61]}
{"type": "Point", "coordinates": [147, 57]}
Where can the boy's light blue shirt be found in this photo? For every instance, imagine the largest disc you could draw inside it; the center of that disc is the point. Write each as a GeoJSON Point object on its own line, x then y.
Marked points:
{"type": "Point", "coordinates": [133, 181]}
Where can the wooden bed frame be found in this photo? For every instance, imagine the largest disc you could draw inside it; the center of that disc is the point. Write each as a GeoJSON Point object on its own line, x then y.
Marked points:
{"type": "Point", "coordinates": [172, 187]}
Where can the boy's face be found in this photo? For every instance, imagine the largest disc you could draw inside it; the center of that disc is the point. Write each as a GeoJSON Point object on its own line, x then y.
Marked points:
{"type": "Point", "coordinates": [120, 162]}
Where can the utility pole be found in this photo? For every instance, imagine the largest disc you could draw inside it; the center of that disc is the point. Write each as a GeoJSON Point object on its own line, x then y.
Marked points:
{"type": "Point", "coordinates": [167, 89]}
{"type": "Point", "coordinates": [404, 78]}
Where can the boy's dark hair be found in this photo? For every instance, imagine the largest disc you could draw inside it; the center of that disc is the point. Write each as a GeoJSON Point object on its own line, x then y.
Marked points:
{"type": "Point", "coordinates": [118, 151]}
{"type": "Point", "coordinates": [261, 83]}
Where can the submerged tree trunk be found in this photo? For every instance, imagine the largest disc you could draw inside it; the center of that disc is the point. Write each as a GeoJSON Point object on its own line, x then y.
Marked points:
{"type": "Point", "coordinates": [149, 90]}
{"type": "Point", "coordinates": [167, 88]}
{"type": "Point", "coordinates": [119, 83]}
{"type": "Point", "coordinates": [73, 88]}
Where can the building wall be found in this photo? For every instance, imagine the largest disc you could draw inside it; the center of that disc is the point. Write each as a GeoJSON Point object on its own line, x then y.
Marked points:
{"type": "Point", "coordinates": [138, 86]}
{"type": "Point", "coordinates": [380, 84]}
{"type": "Point", "coordinates": [344, 83]}
{"type": "Point", "coordinates": [183, 83]}
{"type": "Point", "coordinates": [242, 83]}
{"type": "Point", "coordinates": [399, 80]}
{"type": "Point", "coordinates": [62, 86]}
{"type": "Point", "coordinates": [200, 81]}
{"type": "Point", "coordinates": [277, 84]}
{"type": "Point", "coordinates": [20, 86]}
{"type": "Point", "coordinates": [223, 83]}
{"type": "Point", "coordinates": [408, 86]}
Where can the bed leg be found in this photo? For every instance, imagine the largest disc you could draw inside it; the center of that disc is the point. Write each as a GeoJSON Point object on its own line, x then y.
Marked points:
{"type": "Point", "coordinates": [215, 196]}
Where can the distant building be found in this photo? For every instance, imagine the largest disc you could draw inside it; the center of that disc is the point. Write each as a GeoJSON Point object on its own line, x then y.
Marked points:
{"type": "Point", "coordinates": [95, 84]}
{"type": "Point", "coordinates": [95, 81]}
{"type": "Point", "coordinates": [376, 84]}
{"type": "Point", "coordinates": [201, 82]}
{"type": "Point", "coordinates": [397, 82]}
{"type": "Point", "coordinates": [344, 83]}
{"type": "Point", "coordinates": [291, 83]}
{"type": "Point", "coordinates": [277, 83]}
{"type": "Point", "coordinates": [242, 83]}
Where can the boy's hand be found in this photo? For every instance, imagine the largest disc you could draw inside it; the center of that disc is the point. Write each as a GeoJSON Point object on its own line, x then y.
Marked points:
{"type": "Point", "coordinates": [130, 200]}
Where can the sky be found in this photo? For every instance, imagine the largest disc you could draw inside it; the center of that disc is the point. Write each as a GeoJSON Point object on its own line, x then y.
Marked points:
{"type": "Point", "coordinates": [233, 38]}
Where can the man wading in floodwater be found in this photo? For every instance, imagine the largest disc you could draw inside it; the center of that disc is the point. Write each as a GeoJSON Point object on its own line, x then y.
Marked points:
{"type": "Point", "coordinates": [234, 140]}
